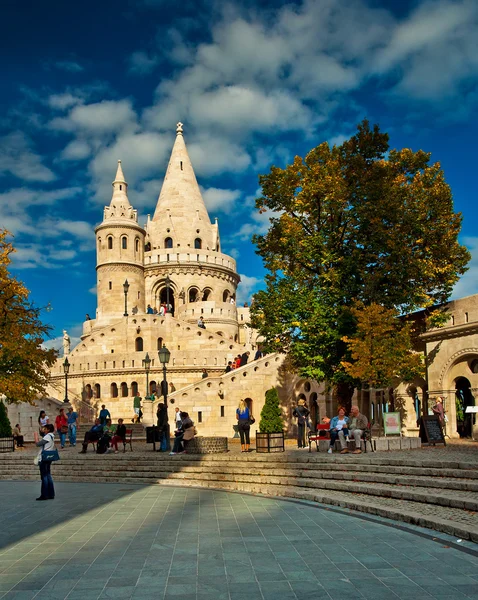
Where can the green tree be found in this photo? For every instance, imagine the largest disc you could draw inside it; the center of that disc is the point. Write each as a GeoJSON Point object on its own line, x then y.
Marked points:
{"type": "Point", "coordinates": [5, 426]}
{"type": "Point", "coordinates": [24, 363]}
{"type": "Point", "coordinates": [352, 223]}
{"type": "Point", "coordinates": [271, 414]}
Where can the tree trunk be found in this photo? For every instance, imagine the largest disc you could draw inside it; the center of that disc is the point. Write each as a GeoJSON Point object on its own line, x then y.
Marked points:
{"type": "Point", "coordinates": [344, 393]}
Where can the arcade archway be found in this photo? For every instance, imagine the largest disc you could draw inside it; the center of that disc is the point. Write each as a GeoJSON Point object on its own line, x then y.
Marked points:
{"type": "Point", "coordinates": [463, 399]}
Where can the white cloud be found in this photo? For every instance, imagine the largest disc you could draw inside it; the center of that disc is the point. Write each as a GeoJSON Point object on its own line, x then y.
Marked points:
{"type": "Point", "coordinates": [76, 150]}
{"type": "Point", "coordinates": [96, 119]}
{"type": "Point", "coordinates": [18, 159]}
{"type": "Point", "coordinates": [63, 101]}
{"type": "Point", "coordinates": [468, 284]}
{"type": "Point", "coordinates": [247, 287]}
{"type": "Point", "coordinates": [220, 200]}
{"type": "Point", "coordinates": [141, 63]}
{"type": "Point", "coordinates": [69, 65]}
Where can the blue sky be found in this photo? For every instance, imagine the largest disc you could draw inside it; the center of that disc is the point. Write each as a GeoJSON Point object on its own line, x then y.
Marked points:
{"type": "Point", "coordinates": [254, 84]}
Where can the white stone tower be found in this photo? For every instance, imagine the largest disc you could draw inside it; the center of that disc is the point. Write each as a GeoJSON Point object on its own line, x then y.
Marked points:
{"type": "Point", "coordinates": [184, 246]}
{"type": "Point", "coordinates": [120, 255]}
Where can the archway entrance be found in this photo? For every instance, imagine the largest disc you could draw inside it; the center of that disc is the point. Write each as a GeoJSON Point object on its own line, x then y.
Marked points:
{"type": "Point", "coordinates": [464, 398]}
{"type": "Point", "coordinates": [167, 296]}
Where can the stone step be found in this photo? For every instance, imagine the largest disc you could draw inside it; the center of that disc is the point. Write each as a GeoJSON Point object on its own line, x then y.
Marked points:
{"type": "Point", "coordinates": [466, 500]}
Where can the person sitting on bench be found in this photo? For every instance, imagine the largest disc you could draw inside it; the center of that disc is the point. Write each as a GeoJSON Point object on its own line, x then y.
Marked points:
{"type": "Point", "coordinates": [358, 424]}
{"type": "Point", "coordinates": [93, 435]}
{"type": "Point", "coordinates": [119, 436]}
{"type": "Point", "coordinates": [338, 425]}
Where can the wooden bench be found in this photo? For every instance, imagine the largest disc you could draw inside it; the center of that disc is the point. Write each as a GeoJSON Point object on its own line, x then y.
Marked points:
{"type": "Point", "coordinates": [128, 440]}
{"type": "Point", "coordinates": [323, 433]}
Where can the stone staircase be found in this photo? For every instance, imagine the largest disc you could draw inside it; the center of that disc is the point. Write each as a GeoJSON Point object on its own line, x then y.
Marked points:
{"type": "Point", "coordinates": [437, 494]}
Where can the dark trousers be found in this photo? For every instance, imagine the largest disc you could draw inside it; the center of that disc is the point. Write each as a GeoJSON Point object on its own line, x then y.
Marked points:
{"type": "Point", "coordinates": [334, 436]}
{"type": "Point", "coordinates": [90, 436]}
{"type": "Point", "coordinates": [244, 431]}
{"type": "Point", "coordinates": [47, 489]}
{"type": "Point", "coordinates": [301, 435]}
{"type": "Point", "coordinates": [19, 440]}
{"type": "Point", "coordinates": [178, 443]}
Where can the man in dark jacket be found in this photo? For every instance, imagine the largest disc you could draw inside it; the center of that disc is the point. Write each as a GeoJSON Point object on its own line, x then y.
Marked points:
{"type": "Point", "coordinates": [244, 358]}
{"type": "Point", "coordinates": [93, 435]}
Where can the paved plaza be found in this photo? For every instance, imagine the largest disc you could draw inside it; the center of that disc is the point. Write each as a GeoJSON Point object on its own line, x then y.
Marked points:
{"type": "Point", "coordinates": [125, 541]}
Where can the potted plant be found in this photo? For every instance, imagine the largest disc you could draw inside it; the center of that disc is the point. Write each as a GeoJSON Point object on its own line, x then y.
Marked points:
{"type": "Point", "coordinates": [270, 437]}
{"type": "Point", "coordinates": [6, 438]}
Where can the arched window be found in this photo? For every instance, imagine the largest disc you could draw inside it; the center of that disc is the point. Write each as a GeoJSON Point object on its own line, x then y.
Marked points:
{"type": "Point", "coordinates": [193, 295]}
{"type": "Point", "coordinates": [114, 390]}
{"type": "Point", "coordinates": [110, 243]}
{"type": "Point", "coordinates": [206, 295]}
{"type": "Point", "coordinates": [88, 392]}
{"type": "Point", "coordinates": [138, 344]}
{"type": "Point", "coordinates": [160, 343]}
{"type": "Point", "coordinates": [147, 247]}
{"type": "Point", "coordinates": [124, 390]}
{"type": "Point", "coordinates": [152, 387]}
{"type": "Point", "coordinates": [225, 296]}
{"type": "Point", "coordinates": [136, 245]}
{"type": "Point", "coordinates": [97, 390]}
{"type": "Point", "coordinates": [168, 242]}
{"type": "Point", "coordinates": [124, 242]}
{"type": "Point", "coordinates": [134, 388]}
{"type": "Point", "coordinates": [198, 244]}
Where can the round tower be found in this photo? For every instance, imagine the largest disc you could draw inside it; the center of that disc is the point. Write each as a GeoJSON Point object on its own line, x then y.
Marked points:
{"type": "Point", "coordinates": [183, 259]}
{"type": "Point", "coordinates": [120, 256]}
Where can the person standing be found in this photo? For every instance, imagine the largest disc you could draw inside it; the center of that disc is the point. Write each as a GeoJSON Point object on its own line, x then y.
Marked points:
{"type": "Point", "coordinates": [245, 358]}
{"type": "Point", "coordinates": [228, 369]}
{"type": "Point", "coordinates": [46, 443]}
{"type": "Point", "coordinates": [177, 418]}
{"type": "Point", "coordinates": [162, 415]}
{"type": "Point", "coordinates": [439, 411]}
{"type": "Point", "coordinates": [137, 408]}
{"type": "Point", "coordinates": [61, 426]}
{"type": "Point", "coordinates": [104, 414]}
{"type": "Point", "coordinates": [72, 417]}
{"type": "Point", "coordinates": [244, 425]}
{"type": "Point", "coordinates": [302, 413]}
{"type": "Point", "coordinates": [205, 374]}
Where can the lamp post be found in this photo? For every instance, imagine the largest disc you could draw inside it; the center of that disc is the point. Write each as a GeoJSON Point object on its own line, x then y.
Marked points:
{"type": "Point", "coordinates": [168, 285]}
{"type": "Point", "coordinates": [147, 366]}
{"type": "Point", "coordinates": [164, 355]}
{"type": "Point", "coordinates": [125, 289]}
{"type": "Point", "coordinates": [66, 370]}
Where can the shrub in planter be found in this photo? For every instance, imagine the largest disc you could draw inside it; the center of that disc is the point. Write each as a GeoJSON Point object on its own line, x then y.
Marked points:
{"type": "Point", "coordinates": [271, 426]}
{"type": "Point", "coordinates": [5, 426]}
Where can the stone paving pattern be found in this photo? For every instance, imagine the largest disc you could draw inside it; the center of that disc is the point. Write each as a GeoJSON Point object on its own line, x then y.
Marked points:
{"type": "Point", "coordinates": [98, 541]}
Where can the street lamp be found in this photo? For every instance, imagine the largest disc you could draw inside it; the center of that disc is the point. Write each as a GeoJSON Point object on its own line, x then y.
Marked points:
{"type": "Point", "coordinates": [66, 370]}
{"type": "Point", "coordinates": [164, 355]}
{"type": "Point", "coordinates": [168, 285]}
{"type": "Point", "coordinates": [125, 288]}
{"type": "Point", "coordinates": [147, 366]}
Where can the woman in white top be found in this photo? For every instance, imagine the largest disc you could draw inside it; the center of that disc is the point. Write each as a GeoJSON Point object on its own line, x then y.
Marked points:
{"type": "Point", "coordinates": [46, 443]}
{"type": "Point", "coordinates": [43, 420]}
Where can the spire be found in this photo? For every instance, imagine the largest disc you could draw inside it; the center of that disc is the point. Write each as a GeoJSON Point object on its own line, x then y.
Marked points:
{"type": "Point", "coordinates": [180, 194]}
{"type": "Point", "coordinates": [120, 206]}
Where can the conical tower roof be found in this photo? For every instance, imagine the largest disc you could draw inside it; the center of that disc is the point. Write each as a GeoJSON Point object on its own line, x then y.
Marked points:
{"type": "Point", "coordinates": [120, 208]}
{"type": "Point", "coordinates": [180, 212]}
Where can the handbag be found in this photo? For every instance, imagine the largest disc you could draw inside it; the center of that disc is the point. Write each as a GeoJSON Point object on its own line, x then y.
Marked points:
{"type": "Point", "coordinates": [50, 455]}
{"type": "Point", "coordinates": [189, 433]}
{"type": "Point", "coordinates": [251, 420]}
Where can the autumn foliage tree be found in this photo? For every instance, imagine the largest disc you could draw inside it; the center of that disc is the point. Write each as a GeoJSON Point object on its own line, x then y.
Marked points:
{"type": "Point", "coordinates": [381, 348]}
{"type": "Point", "coordinates": [24, 363]}
{"type": "Point", "coordinates": [351, 223]}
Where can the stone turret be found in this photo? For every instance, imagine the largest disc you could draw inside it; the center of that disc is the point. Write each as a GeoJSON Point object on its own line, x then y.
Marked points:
{"type": "Point", "coordinates": [120, 255]}
{"type": "Point", "coordinates": [183, 259]}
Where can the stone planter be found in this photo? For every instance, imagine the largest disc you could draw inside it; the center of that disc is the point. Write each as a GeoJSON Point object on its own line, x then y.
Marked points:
{"type": "Point", "coordinates": [7, 444]}
{"type": "Point", "coordinates": [206, 445]}
{"type": "Point", "coordinates": [270, 442]}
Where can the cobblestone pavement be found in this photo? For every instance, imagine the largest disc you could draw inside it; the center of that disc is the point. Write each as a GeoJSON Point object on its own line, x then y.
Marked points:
{"type": "Point", "coordinates": [98, 541]}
